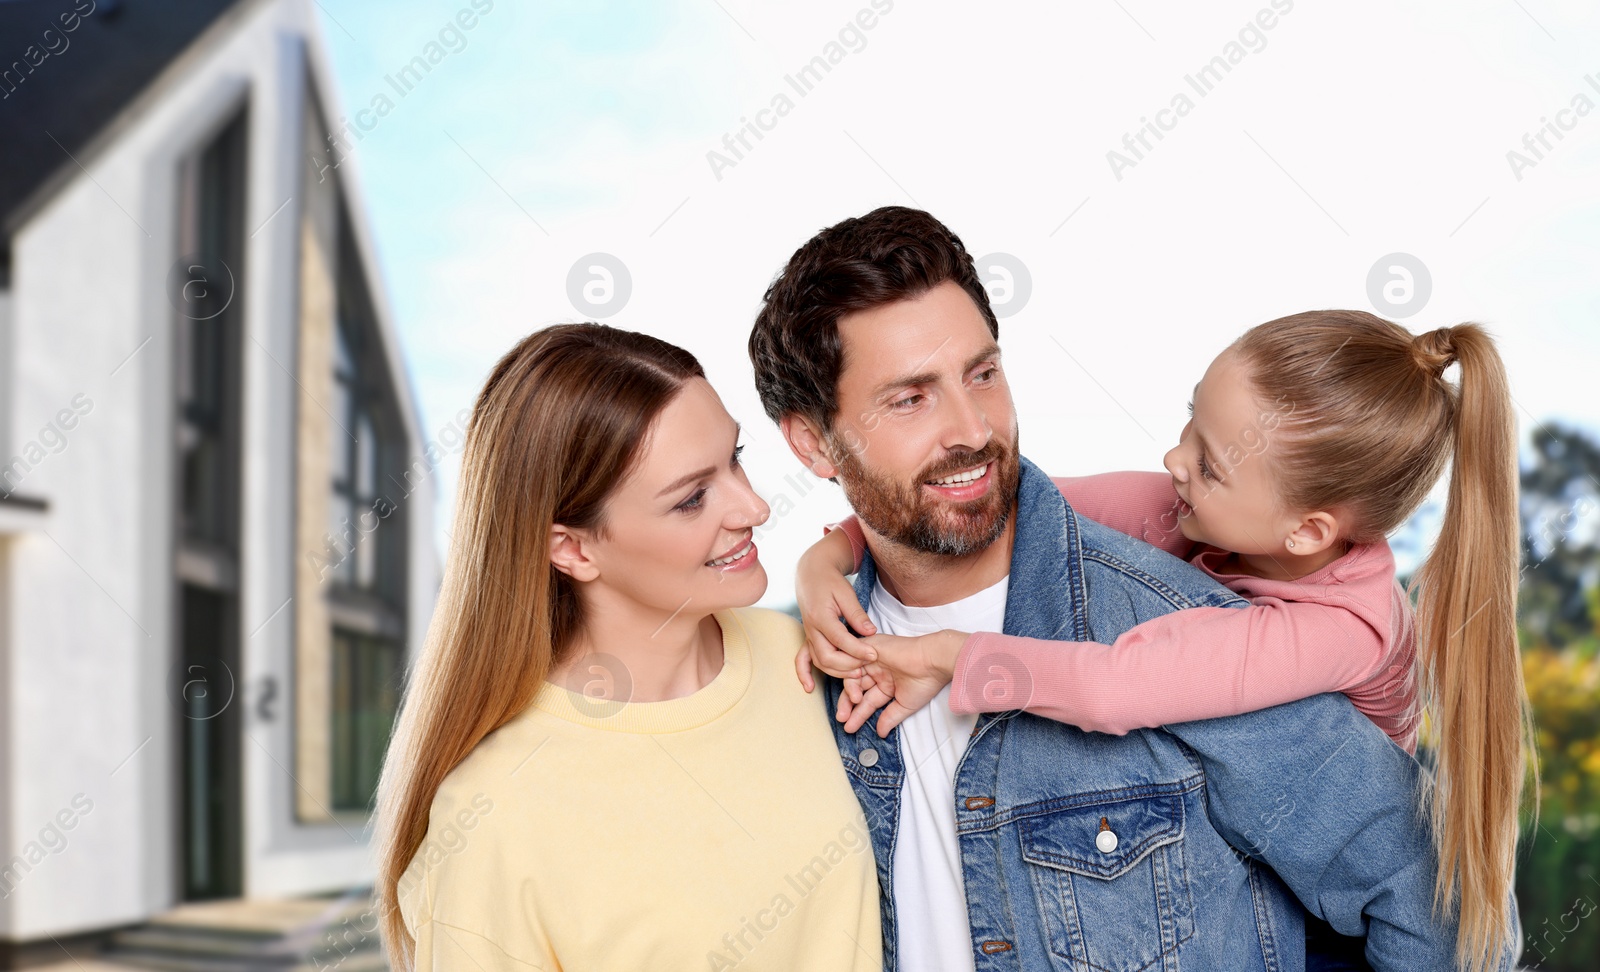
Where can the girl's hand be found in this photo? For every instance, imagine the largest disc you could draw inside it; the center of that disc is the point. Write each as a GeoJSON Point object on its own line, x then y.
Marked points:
{"type": "Point", "coordinates": [861, 697]}
{"type": "Point", "coordinates": [824, 595]}
{"type": "Point", "coordinates": [908, 674]}
{"type": "Point", "coordinates": [870, 698]}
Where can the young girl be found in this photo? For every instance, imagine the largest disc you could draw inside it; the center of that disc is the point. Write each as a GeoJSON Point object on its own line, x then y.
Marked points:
{"type": "Point", "coordinates": [1311, 438]}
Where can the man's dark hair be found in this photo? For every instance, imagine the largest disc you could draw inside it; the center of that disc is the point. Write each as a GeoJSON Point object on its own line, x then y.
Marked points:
{"type": "Point", "coordinates": [890, 254]}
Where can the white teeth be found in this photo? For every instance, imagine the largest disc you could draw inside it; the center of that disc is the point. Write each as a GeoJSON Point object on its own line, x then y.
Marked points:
{"type": "Point", "coordinates": [961, 477]}
{"type": "Point", "coordinates": [736, 555]}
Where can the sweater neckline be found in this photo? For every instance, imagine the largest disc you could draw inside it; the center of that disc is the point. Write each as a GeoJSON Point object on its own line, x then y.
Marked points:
{"type": "Point", "coordinates": [673, 715]}
{"type": "Point", "coordinates": [1352, 563]}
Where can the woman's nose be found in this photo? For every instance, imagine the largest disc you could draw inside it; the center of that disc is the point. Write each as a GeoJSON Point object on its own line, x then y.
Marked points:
{"type": "Point", "coordinates": [752, 512]}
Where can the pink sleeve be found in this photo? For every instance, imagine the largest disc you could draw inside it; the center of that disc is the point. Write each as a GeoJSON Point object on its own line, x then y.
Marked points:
{"type": "Point", "coordinates": [1195, 664]}
{"type": "Point", "coordinates": [852, 531]}
{"type": "Point", "coordinates": [1141, 504]}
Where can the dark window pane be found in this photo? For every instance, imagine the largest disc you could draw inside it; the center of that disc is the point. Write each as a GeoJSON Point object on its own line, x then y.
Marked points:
{"type": "Point", "coordinates": [205, 689]}
{"type": "Point", "coordinates": [341, 533]}
{"type": "Point", "coordinates": [366, 692]}
{"type": "Point", "coordinates": [338, 439]}
{"type": "Point", "coordinates": [366, 457]}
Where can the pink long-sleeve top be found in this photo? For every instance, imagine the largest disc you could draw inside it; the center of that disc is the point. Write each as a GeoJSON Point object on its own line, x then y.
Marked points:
{"type": "Point", "coordinates": [1346, 628]}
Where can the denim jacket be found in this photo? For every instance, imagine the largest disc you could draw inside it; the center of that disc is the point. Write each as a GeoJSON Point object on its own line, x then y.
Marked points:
{"type": "Point", "coordinates": [1220, 825]}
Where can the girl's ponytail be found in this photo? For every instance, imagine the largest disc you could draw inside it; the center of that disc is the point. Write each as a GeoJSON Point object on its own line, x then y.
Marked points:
{"type": "Point", "coordinates": [1471, 667]}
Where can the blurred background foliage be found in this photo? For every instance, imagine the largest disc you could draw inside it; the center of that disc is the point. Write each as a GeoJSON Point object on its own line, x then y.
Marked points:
{"type": "Point", "coordinates": [1558, 875]}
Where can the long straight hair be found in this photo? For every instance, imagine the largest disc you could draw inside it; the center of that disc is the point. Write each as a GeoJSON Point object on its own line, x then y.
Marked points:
{"type": "Point", "coordinates": [1374, 424]}
{"type": "Point", "coordinates": [558, 426]}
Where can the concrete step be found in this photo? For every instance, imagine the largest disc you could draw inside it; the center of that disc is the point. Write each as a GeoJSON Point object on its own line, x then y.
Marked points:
{"type": "Point", "coordinates": [333, 934]}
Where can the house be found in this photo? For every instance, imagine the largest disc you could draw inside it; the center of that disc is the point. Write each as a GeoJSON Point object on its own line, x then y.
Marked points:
{"type": "Point", "coordinates": [216, 545]}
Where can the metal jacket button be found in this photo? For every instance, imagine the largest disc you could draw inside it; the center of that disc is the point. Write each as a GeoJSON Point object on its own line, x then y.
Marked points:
{"type": "Point", "coordinates": [1106, 839]}
{"type": "Point", "coordinates": [868, 758]}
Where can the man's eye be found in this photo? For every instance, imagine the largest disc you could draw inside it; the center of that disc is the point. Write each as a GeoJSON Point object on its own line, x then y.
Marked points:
{"type": "Point", "coordinates": [737, 452]}
{"type": "Point", "coordinates": [693, 502]}
{"type": "Point", "coordinates": [986, 374]}
{"type": "Point", "coordinates": [907, 401]}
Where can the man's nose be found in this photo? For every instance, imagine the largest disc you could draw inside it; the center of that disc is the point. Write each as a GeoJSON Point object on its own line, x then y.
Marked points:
{"type": "Point", "coordinates": [968, 424]}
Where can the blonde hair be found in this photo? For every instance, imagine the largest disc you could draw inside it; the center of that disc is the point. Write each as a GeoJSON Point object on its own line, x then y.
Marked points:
{"type": "Point", "coordinates": [559, 424]}
{"type": "Point", "coordinates": [1373, 425]}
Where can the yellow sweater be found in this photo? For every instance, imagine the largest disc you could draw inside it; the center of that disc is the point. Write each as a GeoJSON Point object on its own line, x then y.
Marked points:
{"type": "Point", "coordinates": [716, 831]}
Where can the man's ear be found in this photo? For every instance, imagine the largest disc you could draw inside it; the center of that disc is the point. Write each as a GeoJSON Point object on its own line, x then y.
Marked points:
{"type": "Point", "coordinates": [1315, 533]}
{"type": "Point", "coordinates": [569, 553]}
{"type": "Point", "coordinates": [808, 445]}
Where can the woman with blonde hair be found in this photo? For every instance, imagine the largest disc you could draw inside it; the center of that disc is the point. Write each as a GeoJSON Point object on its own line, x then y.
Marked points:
{"type": "Point", "coordinates": [602, 761]}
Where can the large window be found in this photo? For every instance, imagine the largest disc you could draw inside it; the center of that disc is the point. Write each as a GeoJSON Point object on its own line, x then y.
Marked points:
{"type": "Point", "coordinates": [367, 589]}
{"type": "Point", "coordinates": [207, 340]}
{"type": "Point", "coordinates": [368, 451]}
{"type": "Point", "coordinates": [207, 337]}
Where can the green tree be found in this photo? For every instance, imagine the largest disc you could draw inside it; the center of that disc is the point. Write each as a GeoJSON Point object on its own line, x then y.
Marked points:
{"type": "Point", "coordinates": [1558, 872]}
{"type": "Point", "coordinates": [1560, 536]}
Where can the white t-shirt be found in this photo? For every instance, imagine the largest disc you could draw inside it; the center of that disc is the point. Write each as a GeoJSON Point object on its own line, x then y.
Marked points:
{"type": "Point", "coordinates": [933, 933]}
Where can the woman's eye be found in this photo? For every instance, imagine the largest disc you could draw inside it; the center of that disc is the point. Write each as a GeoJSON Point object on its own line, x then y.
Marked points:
{"type": "Point", "coordinates": [693, 502]}
{"type": "Point", "coordinates": [1191, 409]}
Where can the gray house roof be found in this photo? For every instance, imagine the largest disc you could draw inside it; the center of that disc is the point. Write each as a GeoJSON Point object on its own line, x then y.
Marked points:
{"type": "Point", "coordinates": [59, 88]}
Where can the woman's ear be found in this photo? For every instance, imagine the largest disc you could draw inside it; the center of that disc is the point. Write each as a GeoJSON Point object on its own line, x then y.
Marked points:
{"type": "Point", "coordinates": [569, 553]}
{"type": "Point", "coordinates": [1315, 533]}
{"type": "Point", "coordinates": [806, 442]}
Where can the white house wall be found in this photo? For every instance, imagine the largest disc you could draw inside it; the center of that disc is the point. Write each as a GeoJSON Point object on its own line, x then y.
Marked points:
{"type": "Point", "coordinates": [90, 596]}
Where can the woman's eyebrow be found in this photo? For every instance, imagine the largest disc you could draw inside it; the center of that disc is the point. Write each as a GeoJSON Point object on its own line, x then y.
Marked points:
{"type": "Point", "coordinates": [699, 473]}
{"type": "Point", "coordinates": [686, 480]}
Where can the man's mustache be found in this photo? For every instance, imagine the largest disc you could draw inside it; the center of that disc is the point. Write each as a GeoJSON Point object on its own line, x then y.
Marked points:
{"type": "Point", "coordinates": [956, 464]}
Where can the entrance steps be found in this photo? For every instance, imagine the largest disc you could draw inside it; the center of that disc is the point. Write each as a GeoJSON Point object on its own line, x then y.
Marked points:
{"type": "Point", "coordinates": [336, 934]}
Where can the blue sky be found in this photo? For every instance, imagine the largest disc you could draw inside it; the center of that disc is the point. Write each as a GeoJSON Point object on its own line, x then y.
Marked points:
{"type": "Point", "coordinates": [1344, 132]}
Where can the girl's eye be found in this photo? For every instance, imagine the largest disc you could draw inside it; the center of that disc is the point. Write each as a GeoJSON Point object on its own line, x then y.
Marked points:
{"type": "Point", "coordinates": [693, 502]}
{"type": "Point", "coordinates": [1205, 469]}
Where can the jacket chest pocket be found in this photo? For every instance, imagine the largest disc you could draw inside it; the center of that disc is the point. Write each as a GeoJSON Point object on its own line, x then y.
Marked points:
{"type": "Point", "coordinates": [1110, 882]}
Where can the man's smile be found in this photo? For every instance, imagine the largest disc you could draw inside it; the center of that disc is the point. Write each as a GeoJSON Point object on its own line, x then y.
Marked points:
{"type": "Point", "coordinates": [968, 484]}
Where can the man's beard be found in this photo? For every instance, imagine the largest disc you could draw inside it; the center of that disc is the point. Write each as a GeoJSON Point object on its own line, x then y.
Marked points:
{"type": "Point", "coordinates": [908, 516]}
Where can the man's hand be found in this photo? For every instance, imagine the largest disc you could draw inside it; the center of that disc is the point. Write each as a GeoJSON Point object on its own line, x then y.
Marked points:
{"type": "Point", "coordinates": [909, 672]}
